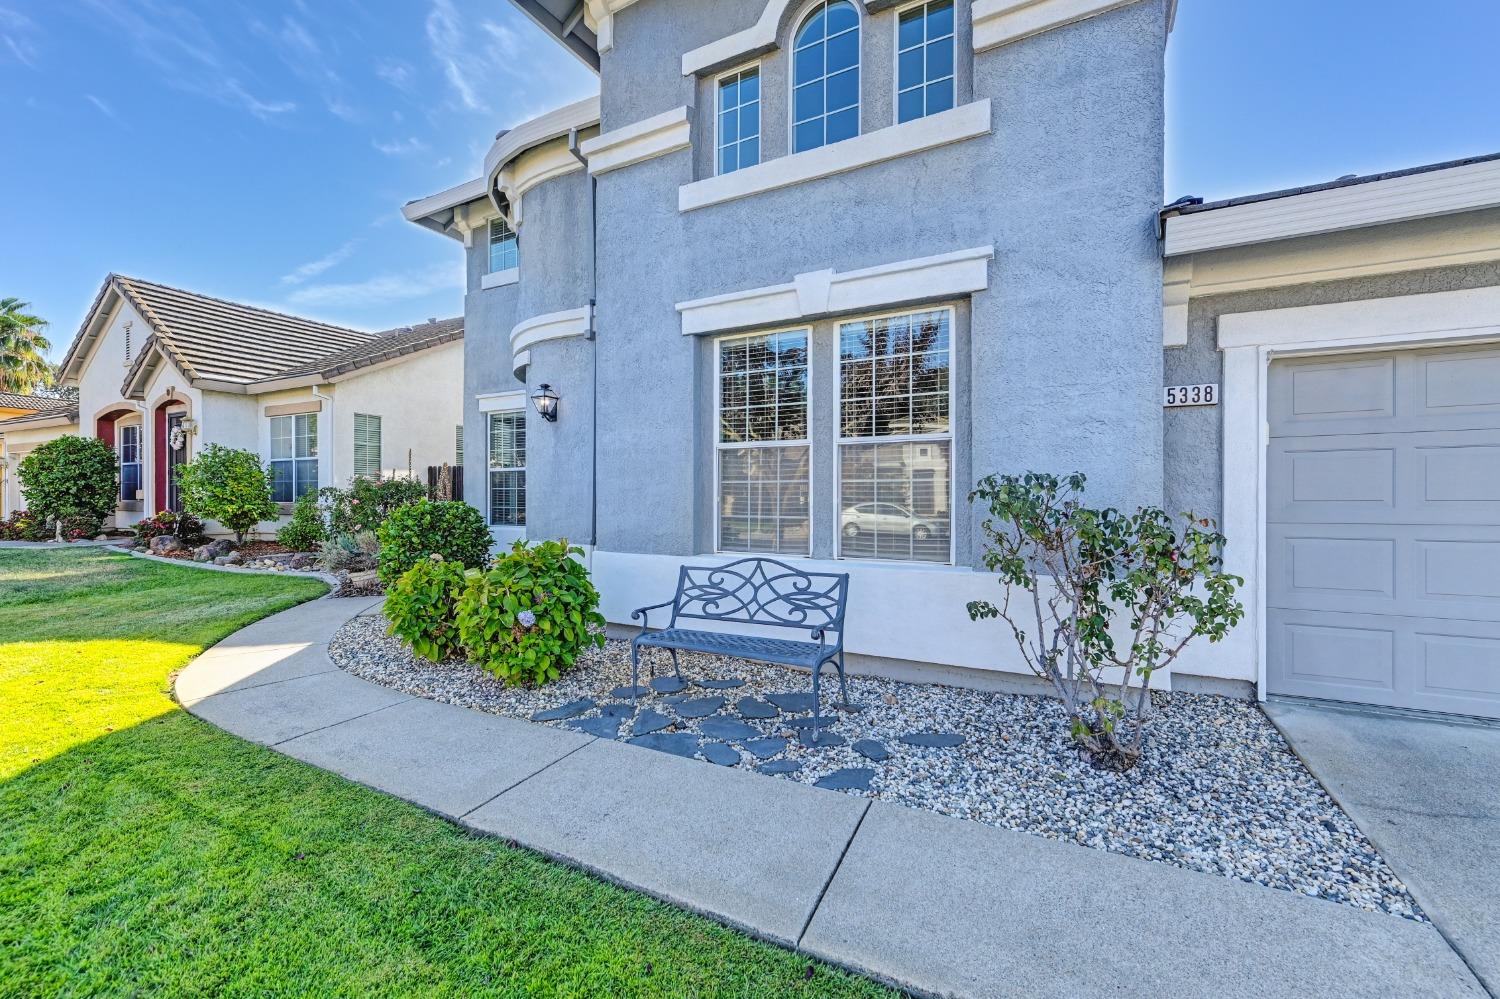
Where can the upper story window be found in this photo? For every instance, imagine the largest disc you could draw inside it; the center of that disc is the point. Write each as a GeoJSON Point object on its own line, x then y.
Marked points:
{"type": "Point", "coordinates": [738, 143]}
{"type": "Point", "coordinates": [294, 456]}
{"type": "Point", "coordinates": [130, 461]}
{"type": "Point", "coordinates": [507, 468]}
{"type": "Point", "coordinates": [924, 60]}
{"type": "Point", "coordinates": [825, 76]}
{"type": "Point", "coordinates": [505, 246]}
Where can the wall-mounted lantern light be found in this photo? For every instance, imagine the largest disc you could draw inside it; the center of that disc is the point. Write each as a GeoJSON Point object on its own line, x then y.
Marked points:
{"type": "Point", "coordinates": [545, 400]}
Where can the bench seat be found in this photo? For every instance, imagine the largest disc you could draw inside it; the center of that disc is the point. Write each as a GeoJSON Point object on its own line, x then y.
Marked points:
{"type": "Point", "coordinates": [767, 650]}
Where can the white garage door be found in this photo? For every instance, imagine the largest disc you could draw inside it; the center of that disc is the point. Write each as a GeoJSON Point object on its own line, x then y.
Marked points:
{"type": "Point", "coordinates": [1383, 529]}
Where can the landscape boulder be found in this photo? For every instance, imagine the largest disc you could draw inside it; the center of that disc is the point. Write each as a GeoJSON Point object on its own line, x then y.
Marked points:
{"type": "Point", "coordinates": [166, 545]}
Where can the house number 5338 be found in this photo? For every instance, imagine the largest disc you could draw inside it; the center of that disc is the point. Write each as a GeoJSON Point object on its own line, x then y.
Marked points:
{"type": "Point", "coordinates": [1191, 395]}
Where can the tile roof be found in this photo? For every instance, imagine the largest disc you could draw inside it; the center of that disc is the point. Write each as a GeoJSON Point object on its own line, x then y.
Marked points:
{"type": "Point", "coordinates": [70, 413]}
{"type": "Point", "coordinates": [382, 347]}
{"type": "Point", "coordinates": [35, 403]}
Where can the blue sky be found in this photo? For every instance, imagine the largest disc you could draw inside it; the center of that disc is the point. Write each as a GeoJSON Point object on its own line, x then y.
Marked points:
{"type": "Point", "coordinates": [261, 150]}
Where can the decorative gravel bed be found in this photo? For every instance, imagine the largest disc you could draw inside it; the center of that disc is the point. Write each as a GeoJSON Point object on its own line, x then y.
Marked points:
{"type": "Point", "coordinates": [1219, 790]}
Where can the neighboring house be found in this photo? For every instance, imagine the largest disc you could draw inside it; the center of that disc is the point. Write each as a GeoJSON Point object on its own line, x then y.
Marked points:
{"type": "Point", "coordinates": [804, 271]}
{"type": "Point", "coordinates": [161, 373]}
{"type": "Point", "coordinates": [27, 421]}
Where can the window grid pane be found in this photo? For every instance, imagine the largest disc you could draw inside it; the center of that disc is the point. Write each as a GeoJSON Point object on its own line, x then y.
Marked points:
{"type": "Point", "coordinates": [505, 246]}
{"type": "Point", "coordinates": [130, 462]}
{"type": "Point", "coordinates": [294, 456]}
{"type": "Point", "coordinates": [764, 500]}
{"type": "Point", "coordinates": [924, 62]}
{"type": "Point", "coordinates": [507, 469]}
{"type": "Point", "coordinates": [825, 92]}
{"type": "Point", "coordinates": [739, 120]}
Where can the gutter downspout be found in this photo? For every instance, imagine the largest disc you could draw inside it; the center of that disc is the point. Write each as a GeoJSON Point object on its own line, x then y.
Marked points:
{"type": "Point", "coordinates": [591, 334]}
{"type": "Point", "coordinates": [332, 438]}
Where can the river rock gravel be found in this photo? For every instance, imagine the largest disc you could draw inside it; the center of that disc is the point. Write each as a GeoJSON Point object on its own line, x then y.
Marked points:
{"type": "Point", "coordinates": [1219, 790]}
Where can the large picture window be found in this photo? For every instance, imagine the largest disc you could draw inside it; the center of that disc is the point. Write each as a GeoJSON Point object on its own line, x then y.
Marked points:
{"type": "Point", "coordinates": [924, 60]}
{"type": "Point", "coordinates": [764, 471]}
{"type": "Point", "coordinates": [825, 70]}
{"type": "Point", "coordinates": [130, 462]}
{"type": "Point", "coordinates": [895, 467]}
{"type": "Point", "coordinates": [294, 456]}
{"type": "Point", "coordinates": [505, 246]}
{"type": "Point", "coordinates": [508, 469]}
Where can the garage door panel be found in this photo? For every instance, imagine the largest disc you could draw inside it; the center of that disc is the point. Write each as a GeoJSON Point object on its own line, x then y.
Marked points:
{"type": "Point", "coordinates": [1333, 482]}
{"type": "Point", "coordinates": [1460, 669]}
{"type": "Point", "coordinates": [1338, 657]}
{"type": "Point", "coordinates": [1458, 383]}
{"type": "Point", "coordinates": [1356, 388]}
{"type": "Point", "coordinates": [1461, 569]}
{"type": "Point", "coordinates": [1461, 473]}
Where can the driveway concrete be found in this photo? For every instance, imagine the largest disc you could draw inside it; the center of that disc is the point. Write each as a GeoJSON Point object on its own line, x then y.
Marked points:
{"type": "Point", "coordinates": [934, 905]}
{"type": "Point", "coordinates": [1427, 793]}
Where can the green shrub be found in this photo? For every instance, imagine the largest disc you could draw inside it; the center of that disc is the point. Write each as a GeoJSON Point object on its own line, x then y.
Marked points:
{"type": "Point", "coordinates": [305, 531]}
{"type": "Point", "coordinates": [410, 534]}
{"type": "Point", "coordinates": [23, 525]}
{"type": "Point", "coordinates": [167, 522]}
{"type": "Point", "coordinates": [528, 618]}
{"type": "Point", "coordinates": [227, 485]}
{"type": "Point", "coordinates": [71, 478]}
{"type": "Point", "coordinates": [366, 504]}
{"type": "Point", "coordinates": [421, 608]}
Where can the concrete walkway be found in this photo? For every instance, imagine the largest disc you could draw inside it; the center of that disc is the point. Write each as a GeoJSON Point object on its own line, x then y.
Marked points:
{"type": "Point", "coordinates": [932, 904]}
{"type": "Point", "coordinates": [1427, 793]}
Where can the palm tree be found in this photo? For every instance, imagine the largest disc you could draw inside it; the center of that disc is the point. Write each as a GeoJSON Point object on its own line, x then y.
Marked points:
{"type": "Point", "coordinates": [23, 366]}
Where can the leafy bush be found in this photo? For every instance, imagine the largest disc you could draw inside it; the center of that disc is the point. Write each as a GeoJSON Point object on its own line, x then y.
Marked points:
{"type": "Point", "coordinates": [366, 504]}
{"type": "Point", "coordinates": [23, 525]}
{"type": "Point", "coordinates": [1078, 568]}
{"type": "Point", "coordinates": [529, 617]}
{"type": "Point", "coordinates": [410, 534]}
{"type": "Point", "coordinates": [228, 485]}
{"type": "Point", "coordinates": [305, 531]}
{"type": "Point", "coordinates": [80, 527]}
{"type": "Point", "coordinates": [71, 477]}
{"type": "Point", "coordinates": [167, 522]}
{"type": "Point", "coordinates": [350, 552]}
{"type": "Point", "coordinates": [421, 607]}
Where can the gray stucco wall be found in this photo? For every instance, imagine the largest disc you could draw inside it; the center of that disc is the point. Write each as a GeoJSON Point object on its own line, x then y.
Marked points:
{"type": "Point", "coordinates": [1193, 444]}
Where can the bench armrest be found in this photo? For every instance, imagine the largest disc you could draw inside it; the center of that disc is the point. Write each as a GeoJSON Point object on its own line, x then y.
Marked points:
{"type": "Point", "coordinates": [643, 615]}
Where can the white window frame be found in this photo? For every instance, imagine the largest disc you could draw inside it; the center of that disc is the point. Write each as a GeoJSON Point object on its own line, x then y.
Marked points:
{"type": "Point", "coordinates": [812, 499]}
{"type": "Point", "coordinates": [791, 81]}
{"type": "Point", "coordinates": [379, 446]}
{"type": "Point", "coordinates": [490, 470]}
{"type": "Point", "coordinates": [489, 246]}
{"type": "Point", "coordinates": [896, 64]}
{"type": "Point", "coordinates": [317, 455]}
{"type": "Point", "coordinates": [760, 115]}
{"type": "Point", "coordinates": [950, 438]}
{"type": "Point", "coordinates": [139, 463]}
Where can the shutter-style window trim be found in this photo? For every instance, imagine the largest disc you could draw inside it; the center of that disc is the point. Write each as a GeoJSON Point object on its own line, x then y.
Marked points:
{"type": "Point", "coordinates": [366, 445]}
{"type": "Point", "coordinates": [458, 445]}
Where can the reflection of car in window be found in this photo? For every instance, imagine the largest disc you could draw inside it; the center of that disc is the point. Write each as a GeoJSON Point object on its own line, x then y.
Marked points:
{"type": "Point", "coordinates": [887, 518]}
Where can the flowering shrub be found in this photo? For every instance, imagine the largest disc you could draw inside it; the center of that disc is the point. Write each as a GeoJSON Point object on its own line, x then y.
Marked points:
{"type": "Point", "coordinates": [23, 526]}
{"type": "Point", "coordinates": [455, 531]}
{"type": "Point", "coordinates": [529, 617]}
{"type": "Point", "coordinates": [420, 606]}
{"type": "Point", "coordinates": [366, 504]}
{"type": "Point", "coordinates": [184, 526]}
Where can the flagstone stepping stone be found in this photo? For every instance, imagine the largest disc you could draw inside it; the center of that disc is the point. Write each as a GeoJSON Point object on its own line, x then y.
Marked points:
{"type": "Point", "coordinates": [766, 748]}
{"type": "Point", "coordinates": [718, 752]}
{"type": "Point", "coordinates": [780, 767]}
{"type": "Point", "coordinates": [729, 684]}
{"type": "Point", "coordinates": [668, 684]}
{"type": "Point", "coordinates": [617, 710]}
{"type": "Point", "coordinates": [570, 710]}
{"type": "Point", "coordinates": [626, 693]}
{"type": "Point", "coordinates": [872, 750]}
{"type": "Point", "coordinates": [933, 740]}
{"type": "Point", "coordinates": [749, 707]}
{"type": "Point", "coordinates": [676, 743]}
{"type": "Point", "coordinates": [702, 707]}
{"type": "Point", "coordinates": [649, 721]}
{"type": "Point", "coordinates": [792, 702]}
{"type": "Point", "coordinates": [728, 729]}
{"type": "Point", "coordinates": [825, 739]}
{"type": "Point", "coordinates": [677, 698]}
{"type": "Point", "coordinates": [604, 727]}
{"type": "Point", "coordinates": [847, 779]}
{"type": "Point", "coordinates": [827, 721]}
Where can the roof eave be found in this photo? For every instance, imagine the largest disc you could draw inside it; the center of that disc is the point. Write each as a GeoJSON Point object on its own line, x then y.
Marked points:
{"type": "Point", "coordinates": [575, 37]}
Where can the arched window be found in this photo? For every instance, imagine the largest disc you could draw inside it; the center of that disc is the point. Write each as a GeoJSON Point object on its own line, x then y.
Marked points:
{"type": "Point", "coordinates": [825, 76]}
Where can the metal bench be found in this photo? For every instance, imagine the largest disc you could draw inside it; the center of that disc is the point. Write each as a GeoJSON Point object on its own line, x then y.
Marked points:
{"type": "Point", "coordinates": [753, 591]}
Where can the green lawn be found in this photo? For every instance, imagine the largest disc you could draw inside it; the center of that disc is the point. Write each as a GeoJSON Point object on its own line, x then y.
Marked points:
{"type": "Point", "coordinates": [143, 852]}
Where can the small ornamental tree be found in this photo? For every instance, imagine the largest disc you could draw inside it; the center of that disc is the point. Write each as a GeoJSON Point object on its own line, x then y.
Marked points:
{"type": "Point", "coordinates": [71, 478]}
{"type": "Point", "coordinates": [227, 485]}
{"type": "Point", "coordinates": [1078, 570]}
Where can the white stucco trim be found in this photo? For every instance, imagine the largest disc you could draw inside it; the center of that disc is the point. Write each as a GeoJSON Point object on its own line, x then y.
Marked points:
{"type": "Point", "coordinates": [543, 128]}
{"type": "Point", "coordinates": [829, 292]}
{"type": "Point", "coordinates": [453, 197]}
{"type": "Point", "coordinates": [601, 17]}
{"type": "Point", "coordinates": [499, 279]}
{"type": "Point", "coordinates": [501, 402]}
{"type": "Point", "coordinates": [1250, 342]}
{"type": "Point", "coordinates": [539, 329]}
{"type": "Point", "coordinates": [955, 125]}
{"type": "Point", "coordinates": [1176, 290]}
{"type": "Point", "coordinates": [1395, 199]}
{"type": "Point", "coordinates": [998, 22]}
{"type": "Point", "coordinates": [758, 38]}
{"type": "Point", "coordinates": [655, 136]}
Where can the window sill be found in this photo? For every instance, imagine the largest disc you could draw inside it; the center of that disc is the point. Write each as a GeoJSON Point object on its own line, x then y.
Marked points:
{"type": "Point", "coordinates": [889, 143]}
{"type": "Point", "coordinates": [499, 279]}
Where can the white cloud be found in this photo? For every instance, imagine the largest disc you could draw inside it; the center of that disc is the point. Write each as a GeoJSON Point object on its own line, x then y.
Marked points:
{"type": "Point", "coordinates": [313, 268]}
{"type": "Point", "coordinates": [382, 289]}
{"type": "Point", "coordinates": [400, 147]}
{"type": "Point", "coordinates": [104, 108]}
{"type": "Point", "coordinates": [395, 72]}
{"type": "Point", "coordinates": [19, 32]}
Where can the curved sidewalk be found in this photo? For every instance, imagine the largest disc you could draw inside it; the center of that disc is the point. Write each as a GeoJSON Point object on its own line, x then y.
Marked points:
{"type": "Point", "coordinates": [932, 904]}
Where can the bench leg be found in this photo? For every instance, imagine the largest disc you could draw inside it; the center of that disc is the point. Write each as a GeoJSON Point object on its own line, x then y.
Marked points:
{"type": "Point", "coordinates": [635, 672]}
{"type": "Point", "coordinates": [817, 717]}
{"type": "Point", "coordinates": [843, 687]}
{"type": "Point", "coordinates": [675, 668]}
